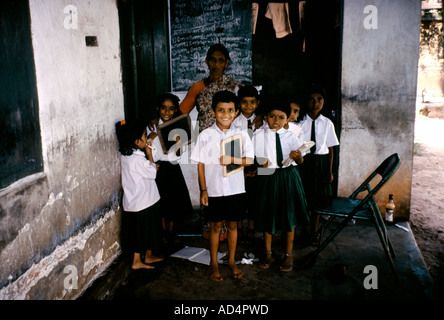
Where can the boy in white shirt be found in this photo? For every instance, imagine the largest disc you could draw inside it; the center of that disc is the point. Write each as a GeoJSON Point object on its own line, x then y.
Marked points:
{"type": "Point", "coordinates": [249, 102]}
{"type": "Point", "coordinates": [223, 197]}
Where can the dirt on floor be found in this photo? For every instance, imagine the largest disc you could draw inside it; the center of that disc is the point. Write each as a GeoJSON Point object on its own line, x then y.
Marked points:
{"type": "Point", "coordinates": [427, 200]}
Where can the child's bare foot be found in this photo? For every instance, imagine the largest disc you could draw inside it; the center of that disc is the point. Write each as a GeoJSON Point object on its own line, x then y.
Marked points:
{"type": "Point", "coordinates": [141, 265]}
{"type": "Point", "coordinates": [235, 271]}
{"type": "Point", "coordinates": [215, 275]}
{"type": "Point", "coordinates": [153, 259]}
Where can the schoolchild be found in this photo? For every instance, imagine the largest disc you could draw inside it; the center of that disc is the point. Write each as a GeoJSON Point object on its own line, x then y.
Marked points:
{"type": "Point", "coordinates": [249, 102]}
{"type": "Point", "coordinates": [293, 120]}
{"type": "Point", "coordinates": [317, 169]}
{"type": "Point", "coordinates": [223, 197]}
{"type": "Point", "coordinates": [175, 203]}
{"type": "Point", "coordinates": [281, 204]}
{"type": "Point", "coordinates": [141, 220]}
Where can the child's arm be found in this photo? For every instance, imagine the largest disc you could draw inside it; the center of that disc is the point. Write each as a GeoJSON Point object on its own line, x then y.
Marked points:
{"type": "Point", "coordinates": [330, 158]}
{"type": "Point", "coordinates": [245, 161]}
{"type": "Point", "coordinates": [202, 184]}
{"type": "Point", "coordinates": [149, 154]}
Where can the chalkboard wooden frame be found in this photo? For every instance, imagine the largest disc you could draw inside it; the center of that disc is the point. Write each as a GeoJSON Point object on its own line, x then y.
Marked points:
{"type": "Point", "coordinates": [164, 131]}
{"type": "Point", "coordinates": [232, 147]}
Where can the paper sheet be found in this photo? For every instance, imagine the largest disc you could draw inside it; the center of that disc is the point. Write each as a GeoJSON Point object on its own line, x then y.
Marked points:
{"type": "Point", "coordinates": [199, 255]}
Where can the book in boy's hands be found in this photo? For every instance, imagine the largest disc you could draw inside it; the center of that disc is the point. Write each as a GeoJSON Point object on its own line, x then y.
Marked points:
{"type": "Point", "coordinates": [199, 255]}
{"type": "Point", "coordinates": [303, 148]}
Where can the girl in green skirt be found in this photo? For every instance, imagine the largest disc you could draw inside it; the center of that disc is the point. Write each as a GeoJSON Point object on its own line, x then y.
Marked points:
{"type": "Point", "coordinates": [282, 204]}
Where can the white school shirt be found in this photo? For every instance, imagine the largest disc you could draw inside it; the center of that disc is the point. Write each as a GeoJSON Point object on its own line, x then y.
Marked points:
{"type": "Point", "coordinates": [207, 151]}
{"type": "Point", "coordinates": [325, 133]}
{"type": "Point", "coordinates": [242, 122]}
{"type": "Point", "coordinates": [264, 141]}
{"type": "Point", "coordinates": [138, 182]}
{"type": "Point", "coordinates": [296, 129]}
{"type": "Point", "coordinates": [158, 154]}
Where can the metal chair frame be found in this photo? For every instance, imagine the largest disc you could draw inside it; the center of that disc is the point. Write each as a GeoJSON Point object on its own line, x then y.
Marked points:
{"type": "Point", "coordinates": [360, 209]}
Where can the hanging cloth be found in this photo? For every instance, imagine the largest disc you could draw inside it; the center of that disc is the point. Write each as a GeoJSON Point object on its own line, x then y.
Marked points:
{"type": "Point", "coordinates": [280, 15]}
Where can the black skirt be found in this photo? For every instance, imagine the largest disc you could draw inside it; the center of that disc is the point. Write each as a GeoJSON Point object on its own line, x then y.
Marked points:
{"type": "Point", "coordinates": [175, 202]}
{"type": "Point", "coordinates": [315, 173]}
{"type": "Point", "coordinates": [227, 208]}
{"type": "Point", "coordinates": [141, 231]}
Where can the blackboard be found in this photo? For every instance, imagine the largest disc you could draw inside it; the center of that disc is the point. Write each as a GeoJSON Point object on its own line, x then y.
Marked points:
{"type": "Point", "coordinates": [197, 24]}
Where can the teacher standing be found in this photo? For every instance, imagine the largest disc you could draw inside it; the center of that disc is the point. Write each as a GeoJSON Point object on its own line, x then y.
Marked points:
{"type": "Point", "coordinates": [201, 93]}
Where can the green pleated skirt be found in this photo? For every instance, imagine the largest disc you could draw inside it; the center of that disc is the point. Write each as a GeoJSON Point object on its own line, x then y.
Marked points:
{"type": "Point", "coordinates": [281, 203]}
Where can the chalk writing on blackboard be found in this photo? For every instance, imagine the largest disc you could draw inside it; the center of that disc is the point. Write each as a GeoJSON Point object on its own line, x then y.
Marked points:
{"type": "Point", "coordinates": [196, 25]}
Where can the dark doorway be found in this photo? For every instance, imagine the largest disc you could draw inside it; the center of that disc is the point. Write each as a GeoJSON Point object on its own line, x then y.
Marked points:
{"type": "Point", "coordinates": [145, 54]}
{"type": "Point", "coordinates": [311, 54]}
{"type": "Point", "coordinates": [20, 144]}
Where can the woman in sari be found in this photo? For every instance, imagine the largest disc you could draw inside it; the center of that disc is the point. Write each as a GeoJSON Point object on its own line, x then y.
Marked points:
{"type": "Point", "coordinates": [201, 93]}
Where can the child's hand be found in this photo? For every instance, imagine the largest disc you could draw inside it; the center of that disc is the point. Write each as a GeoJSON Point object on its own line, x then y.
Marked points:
{"type": "Point", "coordinates": [263, 162]}
{"type": "Point", "coordinates": [225, 160]}
{"type": "Point", "coordinates": [153, 124]}
{"type": "Point", "coordinates": [296, 155]}
{"type": "Point", "coordinates": [204, 198]}
{"type": "Point", "coordinates": [250, 174]}
{"type": "Point", "coordinates": [258, 122]}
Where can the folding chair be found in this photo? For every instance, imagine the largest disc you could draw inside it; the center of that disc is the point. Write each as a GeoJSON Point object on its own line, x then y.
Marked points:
{"type": "Point", "coordinates": [360, 209]}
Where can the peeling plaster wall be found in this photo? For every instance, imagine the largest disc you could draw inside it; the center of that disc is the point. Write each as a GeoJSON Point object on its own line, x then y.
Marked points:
{"type": "Point", "coordinates": [70, 213]}
{"type": "Point", "coordinates": [379, 78]}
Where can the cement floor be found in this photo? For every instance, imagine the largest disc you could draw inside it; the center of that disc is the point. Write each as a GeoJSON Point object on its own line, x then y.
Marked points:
{"type": "Point", "coordinates": [357, 246]}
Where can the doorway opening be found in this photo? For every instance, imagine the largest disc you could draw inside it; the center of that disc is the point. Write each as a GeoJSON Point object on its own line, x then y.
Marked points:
{"type": "Point", "coordinates": [310, 54]}
{"type": "Point", "coordinates": [426, 216]}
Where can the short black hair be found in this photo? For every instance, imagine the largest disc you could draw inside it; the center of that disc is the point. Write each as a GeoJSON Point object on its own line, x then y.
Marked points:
{"type": "Point", "coordinates": [247, 91]}
{"type": "Point", "coordinates": [281, 105]}
{"type": "Point", "coordinates": [224, 96]}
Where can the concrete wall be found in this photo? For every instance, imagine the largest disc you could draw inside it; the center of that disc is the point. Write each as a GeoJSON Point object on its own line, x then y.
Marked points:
{"type": "Point", "coordinates": [379, 77]}
{"type": "Point", "coordinates": [65, 220]}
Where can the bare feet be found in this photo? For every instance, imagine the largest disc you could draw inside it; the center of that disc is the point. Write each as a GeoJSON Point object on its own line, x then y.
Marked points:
{"type": "Point", "coordinates": [214, 274]}
{"type": "Point", "coordinates": [152, 259]}
{"type": "Point", "coordinates": [235, 271]}
{"type": "Point", "coordinates": [141, 265]}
